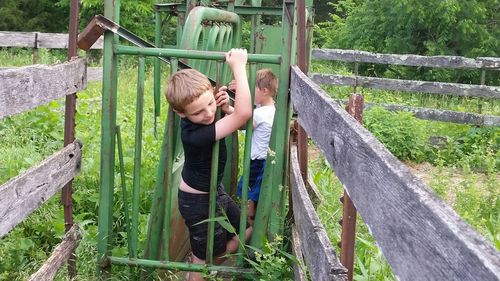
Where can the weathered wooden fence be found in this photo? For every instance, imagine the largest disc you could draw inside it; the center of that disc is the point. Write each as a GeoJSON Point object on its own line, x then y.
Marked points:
{"type": "Point", "coordinates": [22, 89]}
{"type": "Point", "coordinates": [439, 88]}
{"type": "Point", "coordinates": [421, 237]}
{"type": "Point", "coordinates": [40, 40]}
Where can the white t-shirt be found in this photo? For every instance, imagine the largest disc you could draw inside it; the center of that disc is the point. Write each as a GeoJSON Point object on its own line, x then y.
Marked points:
{"type": "Point", "coordinates": [263, 117]}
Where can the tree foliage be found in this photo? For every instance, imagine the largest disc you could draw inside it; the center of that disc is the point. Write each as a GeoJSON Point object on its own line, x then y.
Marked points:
{"type": "Point", "coordinates": [468, 28]}
{"type": "Point", "coordinates": [434, 27]}
{"type": "Point", "coordinates": [28, 15]}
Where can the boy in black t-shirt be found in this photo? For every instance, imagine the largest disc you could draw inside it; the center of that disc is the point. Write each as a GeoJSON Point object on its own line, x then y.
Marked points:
{"type": "Point", "coordinates": [192, 97]}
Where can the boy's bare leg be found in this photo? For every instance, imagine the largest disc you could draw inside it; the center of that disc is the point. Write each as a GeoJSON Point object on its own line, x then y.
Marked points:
{"type": "Point", "coordinates": [252, 207]}
{"type": "Point", "coordinates": [233, 244]}
{"type": "Point", "coordinates": [196, 276]}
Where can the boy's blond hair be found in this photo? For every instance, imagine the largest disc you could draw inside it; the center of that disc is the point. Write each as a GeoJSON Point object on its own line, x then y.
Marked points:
{"type": "Point", "coordinates": [184, 87]}
{"type": "Point", "coordinates": [267, 80]}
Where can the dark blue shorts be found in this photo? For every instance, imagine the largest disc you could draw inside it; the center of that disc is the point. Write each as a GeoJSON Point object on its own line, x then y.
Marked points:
{"type": "Point", "coordinates": [194, 209]}
{"type": "Point", "coordinates": [255, 181]}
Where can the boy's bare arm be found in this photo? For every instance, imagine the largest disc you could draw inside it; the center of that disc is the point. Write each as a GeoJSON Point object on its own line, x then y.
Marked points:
{"type": "Point", "coordinates": [237, 59]}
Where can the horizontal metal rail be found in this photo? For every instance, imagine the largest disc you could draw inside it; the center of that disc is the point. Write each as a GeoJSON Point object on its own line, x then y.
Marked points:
{"type": "Point", "coordinates": [240, 10]}
{"type": "Point", "coordinates": [191, 54]}
{"type": "Point", "coordinates": [181, 266]}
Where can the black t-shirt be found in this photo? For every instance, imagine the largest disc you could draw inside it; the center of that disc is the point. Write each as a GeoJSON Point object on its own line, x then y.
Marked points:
{"type": "Point", "coordinates": [198, 141]}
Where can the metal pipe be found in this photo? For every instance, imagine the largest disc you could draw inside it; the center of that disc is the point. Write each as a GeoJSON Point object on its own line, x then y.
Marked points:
{"type": "Point", "coordinates": [246, 169]}
{"type": "Point", "coordinates": [355, 109]}
{"type": "Point", "coordinates": [137, 157]}
{"type": "Point", "coordinates": [123, 186]}
{"type": "Point", "coordinates": [69, 131]}
{"type": "Point", "coordinates": [181, 266]}
{"type": "Point", "coordinates": [191, 54]}
{"type": "Point", "coordinates": [213, 182]}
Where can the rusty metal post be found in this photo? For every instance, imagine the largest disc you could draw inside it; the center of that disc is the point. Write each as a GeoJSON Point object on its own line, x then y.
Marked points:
{"type": "Point", "coordinates": [302, 64]}
{"type": "Point", "coordinates": [69, 131]}
{"type": "Point", "coordinates": [355, 109]}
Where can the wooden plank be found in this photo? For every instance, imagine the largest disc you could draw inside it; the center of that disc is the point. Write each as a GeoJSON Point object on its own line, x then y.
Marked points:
{"type": "Point", "coordinates": [421, 237]}
{"type": "Point", "coordinates": [319, 255]}
{"type": "Point", "coordinates": [17, 39]}
{"type": "Point", "coordinates": [23, 194]}
{"type": "Point", "coordinates": [93, 73]}
{"type": "Point", "coordinates": [60, 255]}
{"type": "Point", "coordinates": [406, 59]}
{"type": "Point", "coordinates": [299, 273]}
{"type": "Point", "coordinates": [453, 89]}
{"type": "Point", "coordinates": [24, 88]}
{"type": "Point", "coordinates": [39, 40]}
{"type": "Point", "coordinates": [438, 115]}
{"type": "Point", "coordinates": [53, 40]}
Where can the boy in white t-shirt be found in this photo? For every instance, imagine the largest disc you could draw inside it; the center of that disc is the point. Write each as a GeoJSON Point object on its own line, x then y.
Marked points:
{"type": "Point", "coordinates": [266, 86]}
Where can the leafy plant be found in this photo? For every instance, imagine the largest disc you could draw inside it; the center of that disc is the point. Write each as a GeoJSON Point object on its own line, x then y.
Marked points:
{"type": "Point", "coordinates": [400, 132]}
{"type": "Point", "coordinates": [272, 263]}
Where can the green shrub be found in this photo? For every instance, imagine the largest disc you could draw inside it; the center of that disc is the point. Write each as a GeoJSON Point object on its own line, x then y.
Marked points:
{"type": "Point", "coordinates": [400, 132]}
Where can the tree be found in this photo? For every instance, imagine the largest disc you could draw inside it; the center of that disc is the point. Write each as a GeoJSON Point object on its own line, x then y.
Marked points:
{"type": "Point", "coordinates": [467, 28]}
{"type": "Point", "coordinates": [27, 15]}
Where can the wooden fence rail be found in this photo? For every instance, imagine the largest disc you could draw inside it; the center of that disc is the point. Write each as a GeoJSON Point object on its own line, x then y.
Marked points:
{"type": "Point", "coordinates": [440, 88]}
{"type": "Point", "coordinates": [408, 60]}
{"type": "Point", "coordinates": [438, 115]}
{"type": "Point", "coordinates": [23, 194]}
{"type": "Point", "coordinates": [421, 237]}
{"type": "Point", "coordinates": [38, 40]}
{"type": "Point", "coordinates": [452, 89]}
{"type": "Point", "coordinates": [60, 255]}
{"type": "Point", "coordinates": [25, 88]}
{"type": "Point", "coordinates": [319, 254]}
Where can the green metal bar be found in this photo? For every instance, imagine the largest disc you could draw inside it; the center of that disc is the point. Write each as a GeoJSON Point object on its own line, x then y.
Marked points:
{"type": "Point", "coordinates": [213, 182]}
{"type": "Point", "coordinates": [238, 9]}
{"type": "Point", "coordinates": [282, 122]}
{"type": "Point", "coordinates": [273, 173]}
{"type": "Point", "coordinates": [182, 266]}
{"type": "Point", "coordinates": [210, 45]}
{"type": "Point", "coordinates": [246, 170]}
{"type": "Point", "coordinates": [191, 54]}
{"type": "Point", "coordinates": [156, 219]}
{"type": "Point", "coordinates": [169, 172]}
{"type": "Point", "coordinates": [201, 14]}
{"type": "Point", "coordinates": [108, 123]}
{"type": "Point", "coordinates": [255, 26]}
{"type": "Point", "coordinates": [138, 155]}
{"type": "Point", "coordinates": [157, 68]}
{"type": "Point", "coordinates": [123, 186]}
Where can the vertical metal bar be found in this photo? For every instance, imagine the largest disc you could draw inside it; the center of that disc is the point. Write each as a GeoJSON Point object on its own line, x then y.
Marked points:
{"type": "Point", "coordinates": [109, 103]}
{"type": "Point", "coordinates": [123, 186]}
{"type": "Point", "coordinates": [281, 146]}
{"type": "Point", "coordinates": [172, 136]}
{"type": "Point", "coordinates": [69, 131]}
{"type": "Point", "coordinates": [246, 169]}
{"type": "Point", "coordinates": [255, 27]}
{"type": "Point", "coordinates": [302, 63]}
{"type": "Point", "coordinates": [355, 109]}
{"type": "Point", "coordinates": [137, 157]}
{"type": "Point", "coordinates": [272, 184]}
{"type": "Point", "coordinates": [157, 69]}
{"type": "Point", "coordinates": [213, 183]}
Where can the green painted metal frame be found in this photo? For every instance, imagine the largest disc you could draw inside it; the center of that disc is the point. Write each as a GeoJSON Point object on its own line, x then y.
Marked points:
{"type": "Point", "coordinates": [272, 200]}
